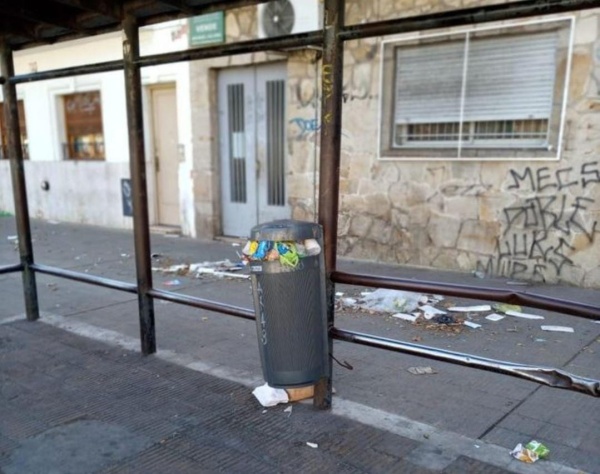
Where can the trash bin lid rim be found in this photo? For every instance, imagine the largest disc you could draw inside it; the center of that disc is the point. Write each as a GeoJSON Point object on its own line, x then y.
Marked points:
{"type": "Point", "coordinates": [286, 230]}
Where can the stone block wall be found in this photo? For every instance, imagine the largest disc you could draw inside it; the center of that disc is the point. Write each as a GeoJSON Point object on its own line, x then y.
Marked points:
{"type": "Point", "coordinates": [533, 220]}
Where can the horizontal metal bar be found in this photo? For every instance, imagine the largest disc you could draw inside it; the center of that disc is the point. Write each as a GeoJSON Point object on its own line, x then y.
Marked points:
{"type": "Point", "coordinates": [230, 49]}
{"type": "Point", "coordinates": [85, 278]}
{"type": "Point", "coordinates": [68, 72]}
{"type": "Point", "coordinates": [202, 303]}
{"type": "Point", "coordinates": [313, 38]}
{"type": "Point", "coordinates": [454, 289]}
{"type": "Point", "coordinates": [17, 267]}
{"type": "Point", "coordinates": [552, 377]}
{"type": "Point", "coordinates": [463, 17]}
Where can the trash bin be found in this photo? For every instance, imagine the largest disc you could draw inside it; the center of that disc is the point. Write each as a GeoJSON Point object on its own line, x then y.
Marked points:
{"type": "Point", "coordinates": [289, 301]}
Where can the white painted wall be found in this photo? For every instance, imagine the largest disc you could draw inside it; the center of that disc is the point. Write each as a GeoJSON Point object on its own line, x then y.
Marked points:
{"type": "Point", "coordinates": [84, 191]}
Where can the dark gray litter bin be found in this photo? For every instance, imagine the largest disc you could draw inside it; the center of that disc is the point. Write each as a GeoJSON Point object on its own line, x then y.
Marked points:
{"type": "Point", "coordinates": [290, 308]}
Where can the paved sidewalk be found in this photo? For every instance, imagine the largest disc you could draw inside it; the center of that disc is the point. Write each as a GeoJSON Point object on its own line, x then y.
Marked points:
{"type": "Point", "coordinates": [74, 405]}
{"type": "Point", "coordinates": [444, 416]}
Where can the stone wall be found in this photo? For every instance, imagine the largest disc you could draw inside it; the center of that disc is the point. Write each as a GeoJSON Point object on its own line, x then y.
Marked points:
{"type": "Point", "coordinates": [535, 220]}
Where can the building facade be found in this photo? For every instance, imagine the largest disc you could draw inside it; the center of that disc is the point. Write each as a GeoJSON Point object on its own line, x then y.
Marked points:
{"type": "Point", "coordinates": [470, 149]}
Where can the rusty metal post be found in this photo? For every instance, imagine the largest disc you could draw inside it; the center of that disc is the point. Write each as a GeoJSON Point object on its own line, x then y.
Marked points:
{"type": "Point", "coordinates": [137, 163]}
{"type": "Point", "coordinates": [17, 170]}
{"type": "Point", "coordinates": [329, 166]}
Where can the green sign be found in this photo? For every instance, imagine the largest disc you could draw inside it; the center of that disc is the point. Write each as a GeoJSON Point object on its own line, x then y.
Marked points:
{"type": "Point", "coordinates": [207, 29]}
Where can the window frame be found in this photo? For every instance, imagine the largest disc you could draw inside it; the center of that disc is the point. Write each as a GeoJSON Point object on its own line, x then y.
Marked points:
{"type": "Point", "coordinates": [66, 146]}
{"type": "Point", "coordinates": [450, 150]}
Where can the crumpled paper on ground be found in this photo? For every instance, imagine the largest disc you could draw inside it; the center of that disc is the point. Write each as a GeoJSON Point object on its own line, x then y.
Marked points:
{"type": "Point", "coordinates": [269, 396]}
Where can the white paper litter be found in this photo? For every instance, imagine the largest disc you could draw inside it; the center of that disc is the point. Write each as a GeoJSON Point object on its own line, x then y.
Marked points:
{"type": "Point", "coordinates": [421, 370]}
{"type": "Point", "coordinates": [12, 237]}
{"type": "Point", "coordinates": [269, 396]}
{"type": "Point", "coordinates": [406, 317]}
{"type": "Point", "coordinates": [470, 309]}
{"type": "Point", "coordinates": [339, 293]}
{"type": "Point", "coordinates": [288, 410]}
{"type": "Point", "coordinates": [494, 317]}
{"type": "Point", "coordinates": [312, 445]}
{"type": "Point", "coordinates": [349, 301]}
{"type": "Point", "coordinates": [429, 311]}
{"type": "Point", "coordinates": [472, 325]}
{"type": "Point", "coordinates": [516, 314]}
{"type": "Point", "coordinates": [558, 328]}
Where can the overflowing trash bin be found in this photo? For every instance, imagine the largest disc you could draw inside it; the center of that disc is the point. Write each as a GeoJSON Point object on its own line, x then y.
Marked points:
{"type": "Point", "coordinates": [288, 284]}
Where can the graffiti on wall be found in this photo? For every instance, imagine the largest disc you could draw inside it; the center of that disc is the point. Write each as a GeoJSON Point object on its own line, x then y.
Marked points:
{"type": "Point", "coordinates": [452, 190]}
{"type": "Point", "coordinates": [539, 231]}
{"type": "Point", "coordinates": [305, 127]}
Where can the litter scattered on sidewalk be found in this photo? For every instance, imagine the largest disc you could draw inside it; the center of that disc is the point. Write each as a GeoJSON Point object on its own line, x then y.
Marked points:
{"type": "Point", "coordinates": [312, 445]}
{"type": "Point", "coordinates": [470, 309]}
{"type": "Point", "coordinates": [430, 311]}
{"type": "Point", "coordinates": [269, 396]}
{"type": "Point", "coordinates": [518, 314]}
{"type": "Point", "coordinates": [349, 301]}
{"type": "Point", "coordinates": [504, 307]}
{"type": "Point", "coordinates": [471, 324]}
{"type": "Point", "coordinates": [531, 452]}
{"type": "Point", "coordinates": [288, 410]}
{"type": "Point", "coordinates": [12, 237]}
{"type": "Point", "coordinates": [220, 268]}
{"type": "Point", "coordinates": [444, 319]}
{"type": "Point", "coordinates": [557, 328]}
{"type": "Point", "coordinates": [405, 316]}
{"type": "Point", "coordinates": [494, 317]}
{"type": "Point", "coordinates": [421, 370]}
{"type": "Point", "coordinates": [172, 283]}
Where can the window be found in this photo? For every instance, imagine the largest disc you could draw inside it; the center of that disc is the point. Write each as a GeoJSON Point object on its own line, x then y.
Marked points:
{"type": "Point", "coordinates": [22, 127]}
{"type": "Point", "coordinates": [83, 126]}
{"type": "Point", "coordinates": [478, 94]}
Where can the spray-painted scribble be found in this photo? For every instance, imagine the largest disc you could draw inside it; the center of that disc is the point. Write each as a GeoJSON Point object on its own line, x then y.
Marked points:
{"type": "Point", "coordinates": [539, 232]}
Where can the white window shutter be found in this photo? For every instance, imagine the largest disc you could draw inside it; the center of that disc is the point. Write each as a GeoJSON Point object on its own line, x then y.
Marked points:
{"type": "Point", "coordinates": [429, 83]}
{"type": "Point", "coordinates": [510, 78]}
{"type": "Point", "coordinates": [507, 78]}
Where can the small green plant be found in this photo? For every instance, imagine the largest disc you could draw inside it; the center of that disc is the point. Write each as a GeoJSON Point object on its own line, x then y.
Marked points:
{"type": "Point", "coordinates": [4, 213]}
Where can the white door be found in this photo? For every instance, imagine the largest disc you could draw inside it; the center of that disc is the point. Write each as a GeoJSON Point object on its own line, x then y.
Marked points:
{"type": "Point", "coordinates": [252, 144]}
{"type": "Point", "coordinates": [166, 154]}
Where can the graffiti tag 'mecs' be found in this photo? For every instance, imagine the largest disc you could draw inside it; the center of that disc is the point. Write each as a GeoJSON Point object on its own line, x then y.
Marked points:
{"type": "Point", "coordinates": [540, 231]}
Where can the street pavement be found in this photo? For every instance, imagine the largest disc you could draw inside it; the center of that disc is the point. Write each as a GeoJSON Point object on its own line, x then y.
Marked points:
{"type": "Point", "coordinates": [75, 381]}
